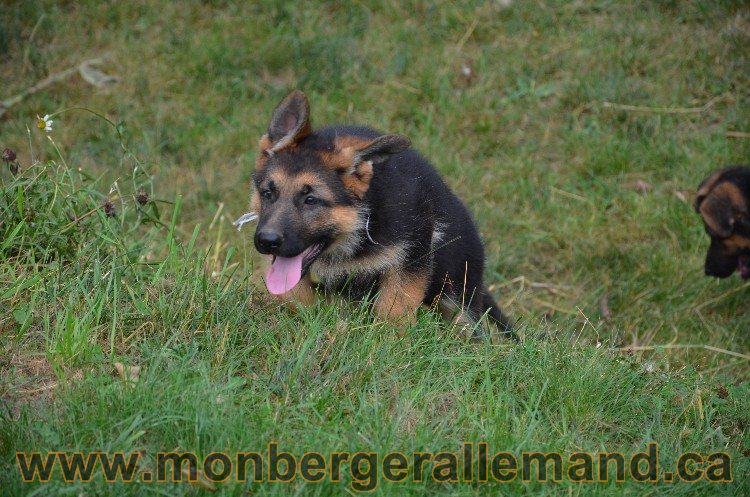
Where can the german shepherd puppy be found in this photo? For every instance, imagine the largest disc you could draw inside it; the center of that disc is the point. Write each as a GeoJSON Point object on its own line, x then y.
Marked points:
{"type": "Point", "coordinates": [723, 201]}
{"type": "Point", "coordinates": [356, 211]}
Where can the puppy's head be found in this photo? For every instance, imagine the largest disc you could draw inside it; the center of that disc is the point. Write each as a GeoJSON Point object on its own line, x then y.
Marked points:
{"type": "Point", "coordinates": [308, 188]}
{"type": "Point", "coordinates": [723, 201]}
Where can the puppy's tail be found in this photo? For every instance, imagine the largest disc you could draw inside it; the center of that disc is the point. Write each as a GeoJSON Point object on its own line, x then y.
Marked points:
{"type": "Point", "coordinates": [504, 324]}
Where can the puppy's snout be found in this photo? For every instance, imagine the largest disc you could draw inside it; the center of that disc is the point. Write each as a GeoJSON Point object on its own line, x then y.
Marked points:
{"type": "Point", "coordinates": [267, 241]}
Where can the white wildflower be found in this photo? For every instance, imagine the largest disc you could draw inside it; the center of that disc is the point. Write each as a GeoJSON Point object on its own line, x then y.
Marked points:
{"type": "Point", "coordinates": [44, 123]}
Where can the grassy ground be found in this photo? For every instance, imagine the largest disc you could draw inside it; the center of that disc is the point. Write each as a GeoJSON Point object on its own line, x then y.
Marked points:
{"type": "Point", "coordinates": [577, 141]}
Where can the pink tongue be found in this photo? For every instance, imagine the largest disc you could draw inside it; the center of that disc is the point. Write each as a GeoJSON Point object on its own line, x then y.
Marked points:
{"type": "Point", "coordinates": [284, 274]}
{"type": "Point", "coordinates": [743, 265]}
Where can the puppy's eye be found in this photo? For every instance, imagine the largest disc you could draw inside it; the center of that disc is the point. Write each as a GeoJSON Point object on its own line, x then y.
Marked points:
{"type": "Point", "coordinates": [267, 194]}
{"type": "Point", "coordinates": [310, 200]}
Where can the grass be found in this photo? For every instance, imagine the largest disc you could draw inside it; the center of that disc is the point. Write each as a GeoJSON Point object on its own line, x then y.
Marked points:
{"type": "Point", "coordinates": [575, 140]}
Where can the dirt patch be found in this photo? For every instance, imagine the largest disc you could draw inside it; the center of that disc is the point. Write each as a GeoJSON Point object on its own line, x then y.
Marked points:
{"type": "Point", "coordinates": [28, 379]}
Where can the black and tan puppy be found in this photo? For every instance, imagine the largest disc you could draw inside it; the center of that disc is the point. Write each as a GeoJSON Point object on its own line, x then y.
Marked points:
{"type": "Point", "coordinates": [361, 213]}
{"type": "Point", "coordinates": [723, 201]}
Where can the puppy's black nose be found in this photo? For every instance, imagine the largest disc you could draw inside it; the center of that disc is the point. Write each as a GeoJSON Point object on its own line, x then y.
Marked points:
{"type": "Point", "coordinates": [267, 241]}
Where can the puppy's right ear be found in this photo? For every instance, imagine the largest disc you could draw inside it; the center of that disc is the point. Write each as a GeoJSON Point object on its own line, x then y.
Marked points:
{"type": "Point", "coordinates": [290, 122]}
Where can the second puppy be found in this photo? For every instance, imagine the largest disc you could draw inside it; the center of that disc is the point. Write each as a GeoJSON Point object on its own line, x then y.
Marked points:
{"type": "Point", "coordinates": [723, 201]}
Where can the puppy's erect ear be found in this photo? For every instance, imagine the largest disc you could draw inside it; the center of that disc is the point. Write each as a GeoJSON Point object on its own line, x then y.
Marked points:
{"type": "Point", "coordinates": [381, 148]}
{"type": "Point", "coordinates": [290, 122]}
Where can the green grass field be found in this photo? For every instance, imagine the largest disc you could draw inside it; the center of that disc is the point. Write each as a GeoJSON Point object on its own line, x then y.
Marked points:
{"type": "Point", "coordinates": [576, 132]}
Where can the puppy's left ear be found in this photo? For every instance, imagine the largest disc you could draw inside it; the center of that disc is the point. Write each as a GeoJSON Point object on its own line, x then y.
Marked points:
{"type": "Point", "coordinates": [381, 148]}
{"type": "Point", "coordinates": [355, 162]}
